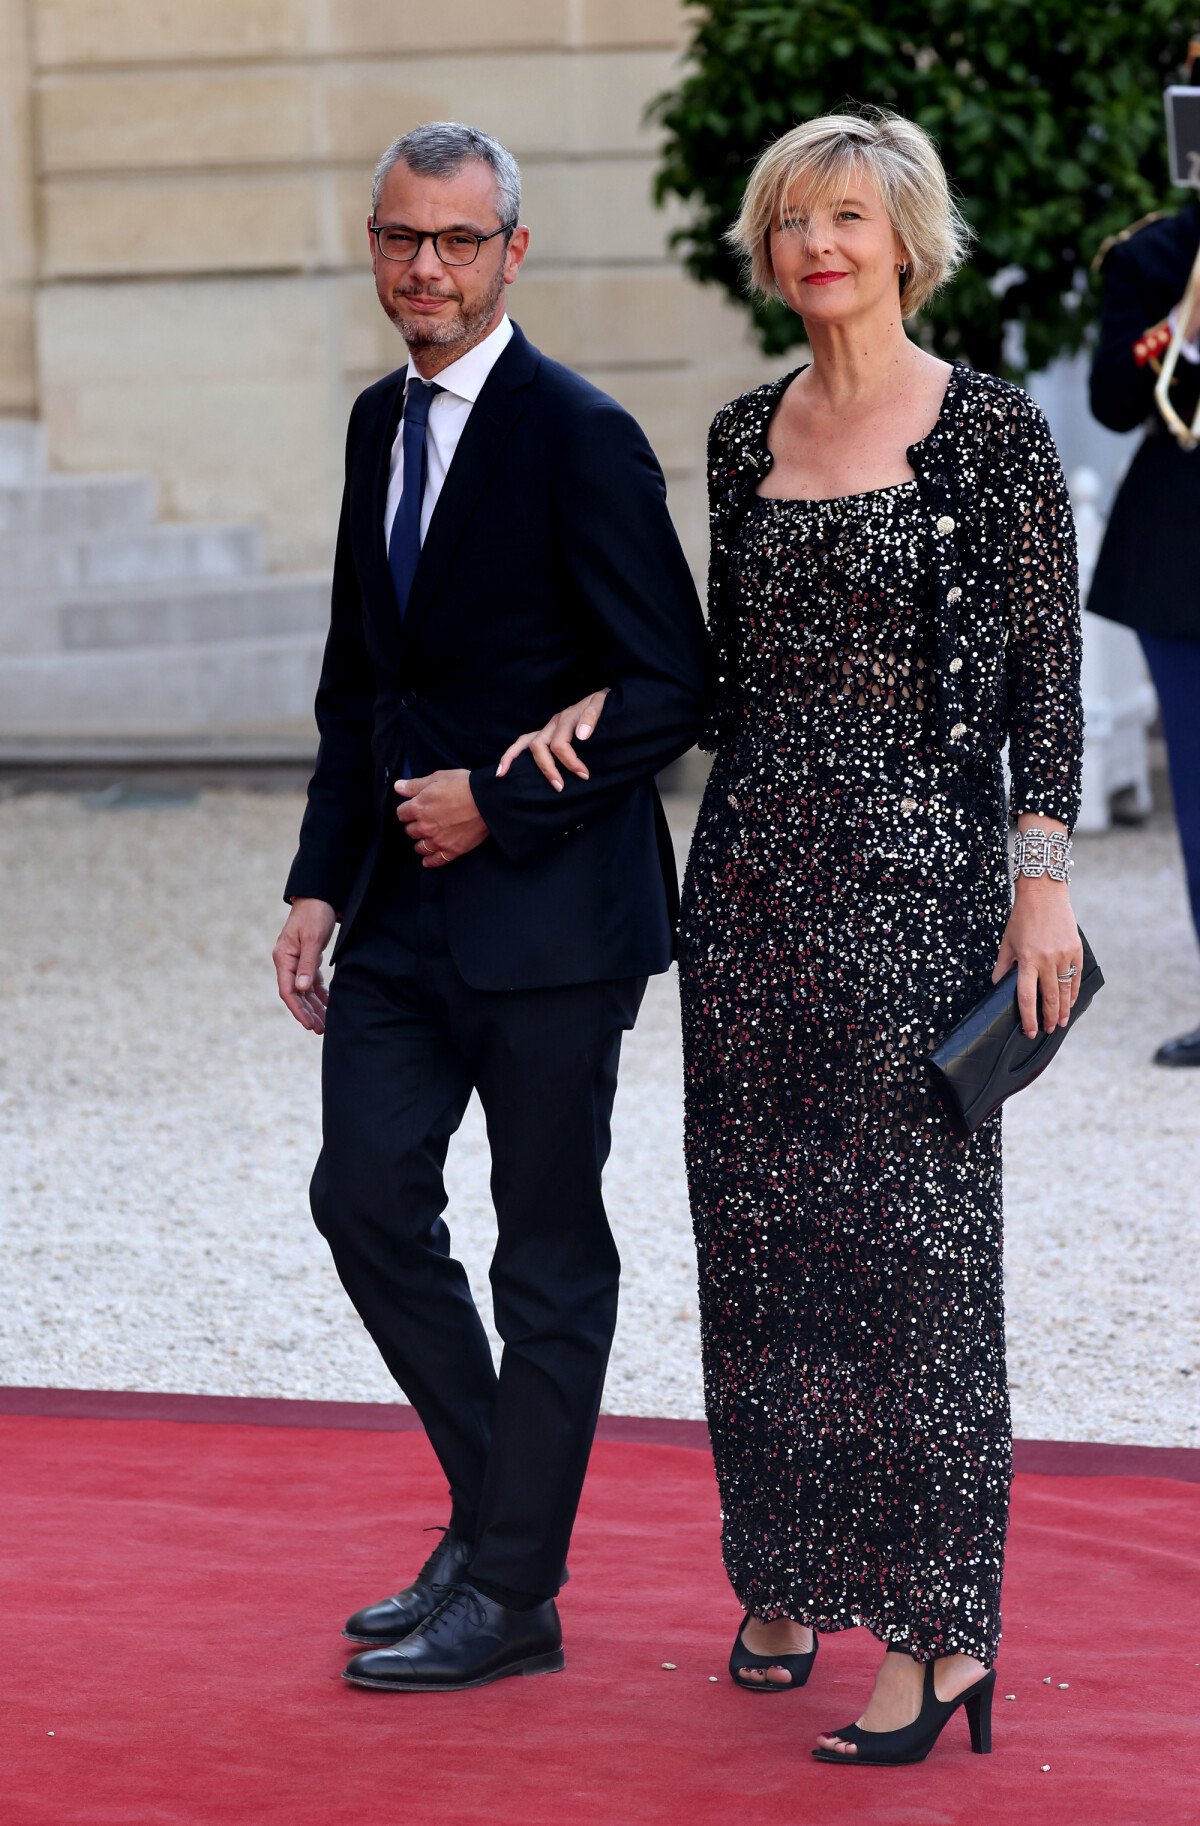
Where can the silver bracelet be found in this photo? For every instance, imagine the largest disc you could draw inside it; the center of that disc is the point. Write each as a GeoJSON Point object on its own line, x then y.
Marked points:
{"type": "Point", "coordinates": [1039, 852]}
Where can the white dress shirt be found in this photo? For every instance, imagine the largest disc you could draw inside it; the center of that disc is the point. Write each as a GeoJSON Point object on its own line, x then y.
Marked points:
{"type": "Point", "coordinates": [449, 411]}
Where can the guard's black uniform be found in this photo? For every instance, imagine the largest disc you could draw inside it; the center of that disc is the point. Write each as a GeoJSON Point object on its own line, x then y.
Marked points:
{"type": "Point", "coordinates": [1147, 575]}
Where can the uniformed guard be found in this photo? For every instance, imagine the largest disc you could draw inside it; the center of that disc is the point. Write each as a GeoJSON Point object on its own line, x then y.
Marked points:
{"type": "Point", "coordinates": [1147, 575]}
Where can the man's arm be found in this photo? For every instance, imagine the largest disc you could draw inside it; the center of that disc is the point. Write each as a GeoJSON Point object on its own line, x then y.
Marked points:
{"type": "Point", "coordinates": [339, 819]}
{"type": "Point", "coordinates": [1130, 348]}
{"type": "Point", "coordinates": [297, 956]}
{"type": "Point", "coordinates": [634, 588]}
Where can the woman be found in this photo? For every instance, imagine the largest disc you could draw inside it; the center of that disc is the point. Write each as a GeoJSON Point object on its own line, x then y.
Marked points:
{"type": "Point", "coordinates": [892, 594]}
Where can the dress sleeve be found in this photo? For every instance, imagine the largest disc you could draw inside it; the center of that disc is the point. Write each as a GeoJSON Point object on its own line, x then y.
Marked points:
{"type": "Point", "coordinates": [1045, 710]}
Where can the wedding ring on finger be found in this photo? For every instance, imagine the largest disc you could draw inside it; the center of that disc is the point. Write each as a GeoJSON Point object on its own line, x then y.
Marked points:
{"type": "Point", "coordinates": [1068, 976]}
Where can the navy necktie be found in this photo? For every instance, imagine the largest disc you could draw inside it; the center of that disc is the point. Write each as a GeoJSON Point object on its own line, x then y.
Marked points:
{"type": "Point", "coordinates": [404, 546]}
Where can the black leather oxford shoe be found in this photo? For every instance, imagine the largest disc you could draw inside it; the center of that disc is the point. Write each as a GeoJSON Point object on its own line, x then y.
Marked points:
{"type": "Point", "coordinates": [468, 1641]}
{"type": "Point", "coordinates": [1182, 1051]}
{"type": "Point", "coordinates": [394, 1618]}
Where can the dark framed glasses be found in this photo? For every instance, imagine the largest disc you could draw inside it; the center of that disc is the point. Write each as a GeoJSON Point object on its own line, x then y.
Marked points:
{"type": "Point", "coordinates": [453, 246]}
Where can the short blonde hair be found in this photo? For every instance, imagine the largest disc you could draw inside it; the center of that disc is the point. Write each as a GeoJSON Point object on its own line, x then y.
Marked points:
{"type": "Point", "coordinates": [823, 159]}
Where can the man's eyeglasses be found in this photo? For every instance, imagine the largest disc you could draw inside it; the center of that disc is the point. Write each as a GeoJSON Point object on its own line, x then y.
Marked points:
{"type": "Point", "coordinates": [452, 246]}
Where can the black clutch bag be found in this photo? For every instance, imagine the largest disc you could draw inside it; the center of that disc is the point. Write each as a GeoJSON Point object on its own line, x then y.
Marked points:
{"type": "Point", "coordinates": [988, 1055]}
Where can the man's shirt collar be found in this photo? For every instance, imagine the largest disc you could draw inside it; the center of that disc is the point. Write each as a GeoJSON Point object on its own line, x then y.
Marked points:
{"type": "Point", "coordinates": [465, 377]}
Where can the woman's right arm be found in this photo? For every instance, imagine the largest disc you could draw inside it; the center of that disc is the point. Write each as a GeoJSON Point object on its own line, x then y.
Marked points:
{"type": "Point", "coordinates": [1045, 708]}
{"type": "Point", "coordinates": [1045, 713]}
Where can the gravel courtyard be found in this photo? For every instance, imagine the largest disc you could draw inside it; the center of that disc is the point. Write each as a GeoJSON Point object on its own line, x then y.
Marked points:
{"type": "Point", "coordinates": [159, 1118]}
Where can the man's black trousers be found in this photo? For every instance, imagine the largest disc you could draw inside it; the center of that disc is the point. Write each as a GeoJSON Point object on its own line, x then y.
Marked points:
{"type": "Point", "coordinates": [407, 1041]}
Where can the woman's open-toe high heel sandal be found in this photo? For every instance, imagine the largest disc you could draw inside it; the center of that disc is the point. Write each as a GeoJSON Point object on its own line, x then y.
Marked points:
{"type": "Point", "coordinates": [915, 1741]}
{"type": "Point", "coordinates": [742, 1660]}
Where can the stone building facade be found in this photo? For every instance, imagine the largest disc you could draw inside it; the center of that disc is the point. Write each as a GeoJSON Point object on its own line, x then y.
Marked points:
{"type": "Point", "coordinates": [184, 285]}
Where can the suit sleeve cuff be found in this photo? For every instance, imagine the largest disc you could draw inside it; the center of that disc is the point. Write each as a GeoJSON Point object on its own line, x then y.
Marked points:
{"type": "Point", "coordinates": [498, 803]}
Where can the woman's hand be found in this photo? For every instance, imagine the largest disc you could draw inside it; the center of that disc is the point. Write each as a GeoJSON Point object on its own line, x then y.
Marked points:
{"type": "Point", "coordinates": [574, 724]}
{"type": "Point", "coordinates": [1042, 940]}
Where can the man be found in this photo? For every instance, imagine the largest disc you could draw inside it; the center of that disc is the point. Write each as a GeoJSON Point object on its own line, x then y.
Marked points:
{"type": "Point", "coordinates": [1146, 573]}
{"type": "Point", "coordinates": [504, 540]}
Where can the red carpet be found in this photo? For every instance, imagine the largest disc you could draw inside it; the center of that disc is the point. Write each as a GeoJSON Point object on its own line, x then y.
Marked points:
{"type": "Point", "coordinates": [172, 1596]}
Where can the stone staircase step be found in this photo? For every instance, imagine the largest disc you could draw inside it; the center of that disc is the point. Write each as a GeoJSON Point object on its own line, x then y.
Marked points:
{"type": "Point", "coordinates": [184, 612]}
{"type": "Point", "coordinates": [145, 555]}
{"type": "Point", "coordinates": [239, 608]}
{"type": "Point", "coordinates": [221, 690]}
{"type": "Point", "coordinates": [43, 507]}
{"type": "Point", "coordinates": [22, 449]}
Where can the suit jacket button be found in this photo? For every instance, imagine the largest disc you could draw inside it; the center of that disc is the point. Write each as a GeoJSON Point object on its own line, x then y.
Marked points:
{"type": "Point", "coordinates": [408, 699]}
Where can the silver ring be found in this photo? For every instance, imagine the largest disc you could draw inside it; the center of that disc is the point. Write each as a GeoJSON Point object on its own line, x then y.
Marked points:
{"type": "Point", "coordinates": [422, 846]}
{"type": "Point", "coordinates": [443, 856]}
{"type": "Point", "coordinates": [1065, 976]}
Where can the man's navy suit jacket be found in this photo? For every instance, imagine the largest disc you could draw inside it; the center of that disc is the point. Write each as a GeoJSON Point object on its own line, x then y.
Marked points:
{"type": "Point", "coordinates": [550, 567]}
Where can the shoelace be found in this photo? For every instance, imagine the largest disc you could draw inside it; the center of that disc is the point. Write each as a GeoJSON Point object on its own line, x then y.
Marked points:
{"type": "Point", "coordinates": [438, 1585]}
{"type": "Point", "coordinates": [462, 1598]}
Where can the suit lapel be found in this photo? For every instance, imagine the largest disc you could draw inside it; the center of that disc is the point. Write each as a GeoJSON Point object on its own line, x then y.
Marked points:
{"type": "Point", "coordinates": [501, 401]}
{"type": "Point", "coordinates": [371, 465]}
{"type": "Point", "coordinates": [383, 469]}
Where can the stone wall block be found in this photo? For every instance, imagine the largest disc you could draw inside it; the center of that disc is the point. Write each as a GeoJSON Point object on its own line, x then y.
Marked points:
{"type": "Point", "coordinates": [592, 317]}
{"type": "Point", "coordinates": [81, 32]}
{"type": "Point", "coordinates": [595, 209]}
{"type": "Point", "coordinates": [18, 357]}
{"type": "Point", "coordinates": [368, 344]}
{"type": "Point", "coordinates": [172, 119]}
{"type": "Point", "coordinates": [467, 26]}
{"type": "Point", "coordinates": [658, 23]}
{"type": "Point", "coordinates": [542, 104]}
{"type": "Point", "coordinates": [18, 213]}
{"type": "Point", "coordinates": [609, 91]}
{"type": "Point", "coordinates": [519, 99]}
{"type": "Point", "coordinates": [181, 225]}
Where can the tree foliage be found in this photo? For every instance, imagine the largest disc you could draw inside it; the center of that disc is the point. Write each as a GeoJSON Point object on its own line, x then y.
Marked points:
{"type": "Point", "coordinates": [1048, 114]}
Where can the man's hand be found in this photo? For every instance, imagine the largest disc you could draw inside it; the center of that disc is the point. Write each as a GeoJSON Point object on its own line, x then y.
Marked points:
{"type": "Point", "coordinates": [439, 814]}
{"type": "Point", "coordinates": [299, 948]}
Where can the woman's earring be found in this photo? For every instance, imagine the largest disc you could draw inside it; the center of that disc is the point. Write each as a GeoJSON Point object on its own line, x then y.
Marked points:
{"type": "Point", "coordinates": [903, 267]}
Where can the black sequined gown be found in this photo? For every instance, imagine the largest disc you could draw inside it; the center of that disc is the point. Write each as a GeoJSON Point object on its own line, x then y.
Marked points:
{"type": "Point", "coordinates": [843, 907]}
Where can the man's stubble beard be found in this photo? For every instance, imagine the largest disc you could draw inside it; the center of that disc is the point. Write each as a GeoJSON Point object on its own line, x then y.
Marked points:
{"type": "Point", "coordinates": [467, 325]}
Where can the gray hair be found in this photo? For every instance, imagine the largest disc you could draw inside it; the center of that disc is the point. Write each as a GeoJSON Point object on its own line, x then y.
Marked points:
{"type": "Point", "coordinates": [443, 147]}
